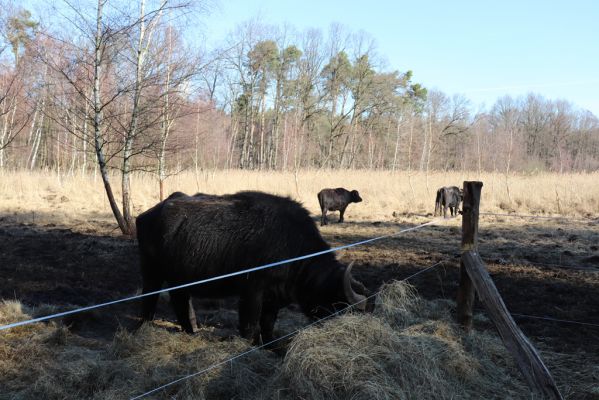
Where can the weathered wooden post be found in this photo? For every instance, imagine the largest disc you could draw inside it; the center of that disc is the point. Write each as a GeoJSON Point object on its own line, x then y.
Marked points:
{"type": "Point", "coordinates": [474, 274]}
{"type": "Point", "coordinates": [469, 242]}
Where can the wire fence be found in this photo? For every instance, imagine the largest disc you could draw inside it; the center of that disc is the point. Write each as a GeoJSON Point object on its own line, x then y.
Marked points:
{"type": "Point", "coordinates": [545, 217]}
{"type": "Point", "coordinates": [559, 320]}
{"type": "Point", "coordinates": [216, 278]}
{"type": "Point", "coordinates": [582, 268]}
{"type": "Point", "coordinates": [253, 349]}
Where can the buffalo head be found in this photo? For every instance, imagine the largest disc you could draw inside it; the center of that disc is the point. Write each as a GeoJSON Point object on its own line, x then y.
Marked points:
{"type": "Point", "coordinates": [355, 196]}
{"type": "Point", "coordinates": [343, 291]}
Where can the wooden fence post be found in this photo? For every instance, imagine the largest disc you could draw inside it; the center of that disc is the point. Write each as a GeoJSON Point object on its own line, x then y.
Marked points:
{"type": "Point", "coordinates": [474, 274]}
{"type": "Point", "coordinates": [465, 300]}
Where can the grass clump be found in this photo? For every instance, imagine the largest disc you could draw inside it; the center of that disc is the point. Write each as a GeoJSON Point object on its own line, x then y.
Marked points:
{"type": "Point", "coordinates": [399, 353]}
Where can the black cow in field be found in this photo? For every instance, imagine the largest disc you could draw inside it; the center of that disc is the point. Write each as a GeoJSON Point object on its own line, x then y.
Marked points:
{"type": "Point", "coordinates": [190, 238]}
{"type": "Point", "coordinates": [448, 197]}
{"type": "Point", "coordinates": [336, 200]}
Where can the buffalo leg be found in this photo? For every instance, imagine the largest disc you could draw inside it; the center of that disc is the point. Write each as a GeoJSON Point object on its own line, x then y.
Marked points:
{"type": "Point", "coordinates": [148, 307]}
{"type": "Point", "coordinates": [438, 202]}
{"type": "Point", "coordinates": [341, 212]}
{"type": "Point", "coordinates": [181, 302]}
{"type": "Point", "coordinates": [447, 203]}
{"type": "Point", "coordinates": [323, 218]}
{"type": "Point", "coordinates": [267, 321]}
{"type": "Point", "coordinates": [250, 308]}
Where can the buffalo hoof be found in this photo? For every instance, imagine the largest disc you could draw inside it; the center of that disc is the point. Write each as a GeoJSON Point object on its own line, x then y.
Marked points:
{"type": "Point", "coordinates": [193, 331]}
{"type": "Point", "coordinates": [257, 340]}
{"type": "Point", "coordinates": [277, 348]}
{"type": "Point", "coordinates": [277, 345]}
{"type": "Point", "coordinates": [138, 325]}
{"type": "Point", "coordinates": [370, 306]}
{"type": "Point", "coordinates": [228, 338]}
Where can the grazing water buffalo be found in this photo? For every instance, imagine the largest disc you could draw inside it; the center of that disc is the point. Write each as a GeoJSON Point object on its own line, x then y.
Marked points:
{"type": "Point", "coordinates": [189, 238]}
{"type": "Point", "coordinates": [336, 200]}
{"type": "Point", "coordinates": [448, 197]}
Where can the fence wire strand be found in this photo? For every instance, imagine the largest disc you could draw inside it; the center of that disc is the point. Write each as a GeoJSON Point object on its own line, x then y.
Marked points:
{"type": "Point", "coordinates": [547, 217]}
{"type": "Point", "coordinates": [580, 268]}
{"type": "Point", "coordinates": [565, 321]}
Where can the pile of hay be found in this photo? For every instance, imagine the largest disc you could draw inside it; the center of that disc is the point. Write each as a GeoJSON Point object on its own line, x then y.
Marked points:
{"type": "Point", "coordinates": [407, 349]}
{"type": "Point", "coordinates": [47, 361]}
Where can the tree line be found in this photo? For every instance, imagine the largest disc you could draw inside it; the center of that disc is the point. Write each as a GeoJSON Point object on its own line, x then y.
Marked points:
{"type": "Point", "coordinates": [112, 85]}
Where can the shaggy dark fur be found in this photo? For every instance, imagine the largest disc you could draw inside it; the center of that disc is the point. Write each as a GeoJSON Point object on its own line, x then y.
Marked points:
{"type": "Point", "coordinates": [336, 200]}
{"type": "Point", "coordinates": [190, 238]}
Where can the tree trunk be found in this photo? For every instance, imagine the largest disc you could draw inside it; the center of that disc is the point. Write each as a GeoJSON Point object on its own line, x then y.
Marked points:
{"type": "Point", "coordinates": [411, 140]}
{"type": "Point", "coordinates": [98, 123]}
{"type": "Point", "coordinates": [233, 142]}
{"type": "Point", "coordinates": [84, 140]}
{"type": "Point", "coordinates": [262, 123]}
{"type": "Point", "coordinates": [5, 137]}
{"type": "Point", "coordinates": [166, 122]}
{"type": "Point", "coordinates": [248, 122]}
{"type": "Point", "coordinates": [395, 153]}
{"type": "Point", "coordinates": [273, 150]}
{"type": "Point", "coordinates": [73, 145]}
{"type": "Point", "coordinates": [37, 138]}
{"type": "Point", "coordinates": [196, 153]}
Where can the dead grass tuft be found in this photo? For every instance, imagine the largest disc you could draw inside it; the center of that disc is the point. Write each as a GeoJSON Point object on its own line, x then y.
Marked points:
{"type": "Point", "coordinates": [398, 353]}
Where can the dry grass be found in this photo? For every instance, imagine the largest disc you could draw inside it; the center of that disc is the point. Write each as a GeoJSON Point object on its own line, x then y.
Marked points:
{"type": "Point", "coordinates": [80, 202]}
{"type": "Point", "coordinates": [48, 361]}
{"type": "Point", "coordinates": [408, 349]}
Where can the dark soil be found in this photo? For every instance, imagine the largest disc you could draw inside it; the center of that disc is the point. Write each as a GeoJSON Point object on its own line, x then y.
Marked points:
{"type": "Point", "coordinates": [545, 270]}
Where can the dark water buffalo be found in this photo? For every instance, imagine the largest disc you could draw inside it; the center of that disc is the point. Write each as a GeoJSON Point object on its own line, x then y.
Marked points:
{"type": "Point", "coordinates": [336, 200]}
{"type": "Point", "coordinates": [189, 238]}
{"type": "Point", "coordinates": [448, 197]}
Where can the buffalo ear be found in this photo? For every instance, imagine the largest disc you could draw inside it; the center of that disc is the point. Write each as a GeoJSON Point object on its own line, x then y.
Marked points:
{"type": "Point", "coordinates": [352, 297]}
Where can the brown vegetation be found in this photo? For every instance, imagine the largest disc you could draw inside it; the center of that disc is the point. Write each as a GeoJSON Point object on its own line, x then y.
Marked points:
{"type": "Point", "coordinates": [77, 201]}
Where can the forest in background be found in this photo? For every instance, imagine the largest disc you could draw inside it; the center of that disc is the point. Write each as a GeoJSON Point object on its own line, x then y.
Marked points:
{"type": "Point", "coordinates": [112, 85]}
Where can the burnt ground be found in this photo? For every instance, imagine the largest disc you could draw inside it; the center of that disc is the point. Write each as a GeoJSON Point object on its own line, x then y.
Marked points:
{"type": "Point", "coordinates": [546, 269]}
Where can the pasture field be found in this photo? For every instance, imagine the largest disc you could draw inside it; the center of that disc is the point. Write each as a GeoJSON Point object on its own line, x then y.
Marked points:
{"type": "Point", "coordinates": [79, 202]}
{"type": "Point", "coordinates": [59, 249]}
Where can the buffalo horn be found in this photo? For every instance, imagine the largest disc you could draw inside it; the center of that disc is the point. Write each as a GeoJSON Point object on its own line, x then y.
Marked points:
{"type": "Point", "coordinates": [352, 297]}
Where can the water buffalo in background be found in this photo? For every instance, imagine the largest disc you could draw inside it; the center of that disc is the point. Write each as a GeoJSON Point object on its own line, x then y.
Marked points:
{"type": "Point", "coordinates": [448, 197]}
{"type": "Point", "coordinates": [188, 238]}
{"type": "Point", "coordinates": [336, 200]}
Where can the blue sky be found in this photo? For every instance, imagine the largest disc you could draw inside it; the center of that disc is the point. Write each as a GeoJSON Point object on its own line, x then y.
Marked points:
{"type": "Point", "coordinates": [481, 49]}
